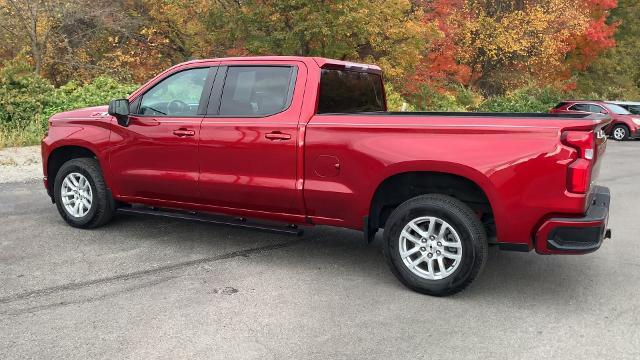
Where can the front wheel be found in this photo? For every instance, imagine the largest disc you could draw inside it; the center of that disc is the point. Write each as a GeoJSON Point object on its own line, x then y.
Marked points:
{"type": "Point", "coordinates": [81, 194]}
{"type": "Point", "coordinates": [435, 244]}
{"type": "Point", "coordinates": [620, 132]}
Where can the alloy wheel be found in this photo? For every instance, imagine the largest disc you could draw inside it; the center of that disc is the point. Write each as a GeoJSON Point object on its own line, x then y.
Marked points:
{"type": "Point", "coordinates": [430, 248]}
{"type": "Point", "coordinates": [76, 195]}
{"type": "Point", "coordinates": [619, 133]}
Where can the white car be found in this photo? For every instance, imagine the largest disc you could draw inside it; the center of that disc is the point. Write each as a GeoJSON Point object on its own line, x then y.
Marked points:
{"type": "Point", "coordinates": [632, 106]}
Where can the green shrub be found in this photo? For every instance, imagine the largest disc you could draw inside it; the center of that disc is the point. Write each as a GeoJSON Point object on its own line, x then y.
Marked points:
{"type": "Point", "coordinates": [98, 92]}
{"type": "Point", "coordinates": [467, 98]}
{"type": "Point", "coordinates": [27, 101]}
{"type": "Point", "coordinates": [395, 101]}
{"type": "Point", "coordinates": [460, 98]}
{"type": "Point", "coordinates": [22, 94]}
{"type": "Point", "coordinates": [528, 99]}
{"type": "Point", "coordinates": [428, 99]}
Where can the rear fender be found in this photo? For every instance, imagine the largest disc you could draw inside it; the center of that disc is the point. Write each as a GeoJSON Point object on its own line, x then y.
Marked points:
{"type": "Point", "coordinates": [444, 167]}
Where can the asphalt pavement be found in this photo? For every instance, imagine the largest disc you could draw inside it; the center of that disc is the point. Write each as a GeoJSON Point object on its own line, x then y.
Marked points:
{"type": "Point", "coordinates": [146, 287]}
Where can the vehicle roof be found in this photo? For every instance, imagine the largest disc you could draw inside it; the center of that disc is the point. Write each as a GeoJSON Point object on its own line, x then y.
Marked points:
{"type": "Point", "coordinates": [602, 102]}
{"type": "Point", "coordinates": [320, 61]}
{"type": "Point", "coordinates": [584, 101]}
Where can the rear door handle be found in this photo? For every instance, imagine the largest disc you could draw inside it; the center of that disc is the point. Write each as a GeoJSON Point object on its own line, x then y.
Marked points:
{"type": "Point", "coordinates": [277, 135]}
{"type": "Point", "coordinates": [183, 132]}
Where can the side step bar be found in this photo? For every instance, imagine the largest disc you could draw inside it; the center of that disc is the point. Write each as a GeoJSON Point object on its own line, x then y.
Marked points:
{"type": "Point", "coordinates": [239, 222]}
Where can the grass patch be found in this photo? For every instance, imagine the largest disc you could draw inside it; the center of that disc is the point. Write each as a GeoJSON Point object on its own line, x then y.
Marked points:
{"type": "Point", "coordinates": [31, 134]}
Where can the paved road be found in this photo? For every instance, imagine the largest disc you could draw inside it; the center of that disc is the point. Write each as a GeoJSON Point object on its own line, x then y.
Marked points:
{"type": "Point", "coordinates": [157, 288]}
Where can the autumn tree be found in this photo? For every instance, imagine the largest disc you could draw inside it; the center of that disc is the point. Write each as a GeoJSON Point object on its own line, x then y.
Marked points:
{"type": "Point", "coordinates": [497, 46]}
{"type": "Point", "coordinates": [616, 73]}
{"type": "Point", "coordinates": [441, 66]}
{"type": "Point", "coordinates": [487, 46]}
{"type": "Point", "coordinates": [155, 35]}
{"type": "Point", "coordinates": [39, 23]}
{"type": "Point", "coordinates": [388, 32]}
{"type": "Point", "coordinates": [30, 22]}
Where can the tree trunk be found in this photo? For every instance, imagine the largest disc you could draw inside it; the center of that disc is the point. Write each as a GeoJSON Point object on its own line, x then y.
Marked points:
{"type": "Point", "coordinates": [37, 57]}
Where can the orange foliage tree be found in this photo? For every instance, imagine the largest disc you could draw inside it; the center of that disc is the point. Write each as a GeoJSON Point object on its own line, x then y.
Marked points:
{"type": "Point", "coordinates": [498, 46]}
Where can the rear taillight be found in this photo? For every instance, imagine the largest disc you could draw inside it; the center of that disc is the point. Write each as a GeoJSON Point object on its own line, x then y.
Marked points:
{"type": "Point", "coordinates": [579, 171]}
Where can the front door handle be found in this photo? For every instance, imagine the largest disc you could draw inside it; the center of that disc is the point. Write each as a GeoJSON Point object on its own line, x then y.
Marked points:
{"type": "Point", "coordinates": [277, 135]}
{"type": "Point", "coordinates": [183, 132]}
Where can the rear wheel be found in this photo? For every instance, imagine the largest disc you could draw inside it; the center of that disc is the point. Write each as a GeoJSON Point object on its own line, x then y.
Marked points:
{"type": "Point", "coordinates": [81, 195]}
{"type": "Point", "coordinates": [620, 132]}
{"type": "Point", "coordinates": [435, 244]}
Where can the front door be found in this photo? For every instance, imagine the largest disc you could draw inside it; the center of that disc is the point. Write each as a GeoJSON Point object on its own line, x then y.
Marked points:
{"type": "Point", "coordinates": [249, 140]}
{"type": "Point", "coordinates": [156, 156]}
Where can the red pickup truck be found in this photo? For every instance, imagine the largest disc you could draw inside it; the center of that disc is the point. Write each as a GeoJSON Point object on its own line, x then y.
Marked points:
{"type": "Point", "coordinates": [309, 141]}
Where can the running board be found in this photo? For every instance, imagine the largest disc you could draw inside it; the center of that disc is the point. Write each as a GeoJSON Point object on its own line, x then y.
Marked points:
{"type": "Point", "coordinates": [239, 222]}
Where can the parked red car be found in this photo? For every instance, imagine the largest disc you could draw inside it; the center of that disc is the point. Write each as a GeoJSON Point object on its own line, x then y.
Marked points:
{"type": "Point", "coordinates": [309, 141]}
{"type": "Point", "coordinates": [624, 125]}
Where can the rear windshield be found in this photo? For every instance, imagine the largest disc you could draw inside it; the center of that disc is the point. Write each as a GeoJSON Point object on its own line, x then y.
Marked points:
{"type": "Point", "coordinates": [560, 105]}
{"type": "Point", "coordinates": [344, 91]}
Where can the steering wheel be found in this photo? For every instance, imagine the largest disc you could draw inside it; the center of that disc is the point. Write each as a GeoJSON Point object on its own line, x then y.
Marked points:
{"type": "Point", "coordinates": [177, 107]}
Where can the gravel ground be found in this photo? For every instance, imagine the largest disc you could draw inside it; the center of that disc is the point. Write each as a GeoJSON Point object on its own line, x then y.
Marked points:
{"type": "Point", "coordinates": [145, 287]}
{"type": "Point", "coordinates": [19, 164]}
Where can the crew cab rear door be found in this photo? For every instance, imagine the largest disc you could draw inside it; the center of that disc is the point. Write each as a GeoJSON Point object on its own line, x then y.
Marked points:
{"type": "Point", "coordinates": [156, 156]}
{"type": "Point", "coordinates": [249, 142]}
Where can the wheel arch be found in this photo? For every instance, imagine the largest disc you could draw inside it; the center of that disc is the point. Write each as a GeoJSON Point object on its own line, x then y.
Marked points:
{"type": "Point", "coordinates": [59, 156]}
{"type": "Point", "coordinates": [463, 183]}
{"type": "Point", "coordinates": [621, 124]}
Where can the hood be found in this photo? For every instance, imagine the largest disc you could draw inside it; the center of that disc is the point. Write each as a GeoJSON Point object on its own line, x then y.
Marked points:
{"type": "Point", "coordinates": [94, 112]}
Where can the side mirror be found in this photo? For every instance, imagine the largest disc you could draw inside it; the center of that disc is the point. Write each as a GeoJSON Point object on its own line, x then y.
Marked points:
{"type": "Point", "coordinates": [120, 110]}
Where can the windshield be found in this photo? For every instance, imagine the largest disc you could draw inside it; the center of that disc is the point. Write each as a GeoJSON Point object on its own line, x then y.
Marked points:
{"type": "Point", "coordinates": [619, 110]}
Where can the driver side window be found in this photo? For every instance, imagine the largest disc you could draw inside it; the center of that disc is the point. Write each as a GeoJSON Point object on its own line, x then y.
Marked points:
{"type": "Point", "coordinates": [177, 95]}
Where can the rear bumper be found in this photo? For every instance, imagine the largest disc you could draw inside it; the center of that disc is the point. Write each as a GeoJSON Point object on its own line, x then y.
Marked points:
{"type": "Point", "coordinates": [577, 235]}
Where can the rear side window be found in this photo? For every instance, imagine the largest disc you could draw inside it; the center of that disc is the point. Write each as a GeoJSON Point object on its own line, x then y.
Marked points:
{"type": "Point", "coordinates": [597, 109]}
{"type": "Point", "coordinates": [581, 107]}
{"type": "Point", "coordinates": [257, 90]}
{"type": "Point", "coordinates": [350, 92]}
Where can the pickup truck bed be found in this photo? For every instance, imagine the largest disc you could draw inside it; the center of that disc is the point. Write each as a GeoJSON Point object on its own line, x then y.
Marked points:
{"type": "Point", "coordinates": [308, 141]}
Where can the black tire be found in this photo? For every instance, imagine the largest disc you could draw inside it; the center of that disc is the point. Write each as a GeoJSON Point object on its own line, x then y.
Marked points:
{"type": "Point", "coordinates": [622, 128]}
{"type": "Point", "coordinates": [468, 227]}
{"type": "Point", "coordinates": [102, 205]}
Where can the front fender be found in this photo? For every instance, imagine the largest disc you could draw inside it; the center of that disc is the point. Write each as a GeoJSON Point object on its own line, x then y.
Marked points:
{"type": "Point", "coordinates": [91, 134]}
